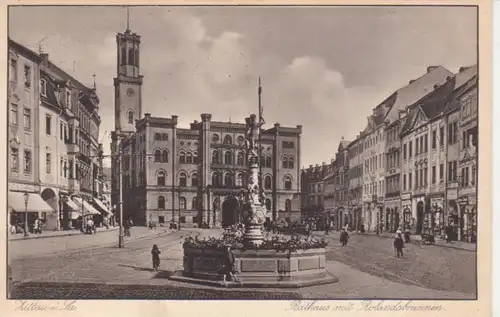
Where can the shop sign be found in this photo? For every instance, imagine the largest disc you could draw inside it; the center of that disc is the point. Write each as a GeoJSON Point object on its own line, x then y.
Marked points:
{"type": "Point", "coordinates": [452, 195]}
{"type": "Point", "coordinates": [437, 201]}
{"type": "Point", "coordinates": [23, 187]}
{"type": "Point", "coordinates": [406, 196]}
{"type": "Point", "coordinates": [462, 201]}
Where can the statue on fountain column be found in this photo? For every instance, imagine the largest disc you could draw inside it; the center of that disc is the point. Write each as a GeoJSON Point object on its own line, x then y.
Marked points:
{"type": "Point", "coordinates": [253, 198]}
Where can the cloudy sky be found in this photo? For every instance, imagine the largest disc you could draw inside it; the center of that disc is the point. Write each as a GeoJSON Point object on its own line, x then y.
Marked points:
{"type": "Point", "coordinates": [322, 67]}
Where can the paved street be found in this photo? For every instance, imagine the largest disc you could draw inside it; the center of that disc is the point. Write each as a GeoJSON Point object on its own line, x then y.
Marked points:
{"type": "Point", "coordinates": [429, 266]}
{"type": "Point", "coordinates": [366, 268]}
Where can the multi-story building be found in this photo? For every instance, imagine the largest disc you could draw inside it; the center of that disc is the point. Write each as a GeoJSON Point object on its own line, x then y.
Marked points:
{"type": "Point", "coordinates": [383, 116]}
{"type": "Point", "coordinates": [466, 95]}
{"type": "Point", "coordinates": [192, 176]}
{"type": "Point", "coordinates": [329, 189]}
{"type": "Point", "coordinates": [392, 201]}
{"type": "Point", "coordinates": [424, 159]}
{"type": "Point", "coordinates": [342, 201]}
{"type": "Point", "coordinates": [50, 100]}
{"type": "Point", "coordinates": [355, 176]}
{"type": "Point", "coordinates": [314, 187]}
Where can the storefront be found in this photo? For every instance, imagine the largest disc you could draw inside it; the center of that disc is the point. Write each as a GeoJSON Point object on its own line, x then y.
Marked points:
{"type": "Point", "coordinates": [407, 211]}
{"type": "Point", "coordinates": [436, 214]}
{"type": "Point", "coordinates": [28, 205]}
{"type": "Point", "coordinates": [453, 214]}
{"type": "Point", "coordinates": [468, 212]}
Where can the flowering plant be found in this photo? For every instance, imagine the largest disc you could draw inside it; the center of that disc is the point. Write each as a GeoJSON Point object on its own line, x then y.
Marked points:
{"type": "Point", "coordinates": [235, 241]}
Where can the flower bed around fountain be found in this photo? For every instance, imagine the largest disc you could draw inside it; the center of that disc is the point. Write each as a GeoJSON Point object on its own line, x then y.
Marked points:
{"type": "Point", "coordinates": [279, 261]}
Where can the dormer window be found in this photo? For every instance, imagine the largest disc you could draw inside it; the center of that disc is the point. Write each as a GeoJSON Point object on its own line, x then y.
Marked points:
{"type": "Point", "coordinates": [43, 87]}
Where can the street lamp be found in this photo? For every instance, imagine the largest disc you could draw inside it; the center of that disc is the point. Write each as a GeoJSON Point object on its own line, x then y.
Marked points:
{"type": "Point", "coordinates": [26, 198]}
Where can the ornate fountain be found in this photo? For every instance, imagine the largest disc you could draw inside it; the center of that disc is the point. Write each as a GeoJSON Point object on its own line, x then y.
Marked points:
{"type": "Point", "coordinates": [255, 264]}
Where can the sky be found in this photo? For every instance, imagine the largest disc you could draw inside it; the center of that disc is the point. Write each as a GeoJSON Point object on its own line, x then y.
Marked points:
{"type": "Point", "coordinates": [324, 68]}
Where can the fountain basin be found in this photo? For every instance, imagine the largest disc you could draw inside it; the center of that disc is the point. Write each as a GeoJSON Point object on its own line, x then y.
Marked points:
{"type": "Point", "coordinates": [256, 268]}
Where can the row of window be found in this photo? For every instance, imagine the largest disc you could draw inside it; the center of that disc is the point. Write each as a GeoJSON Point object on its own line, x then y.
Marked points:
{"type": "Point", "coordinates": [217, 180]}
{"type": "Point", "coordinates": [27, 160]}
{"type": "Point", "coordinates": [161, 203]}
{"type": "Point", "coordinates": [374, 163]}
{"type": "Point", "coordinates": [375, 188]}
{"type": "Point", "coordinates": [27, 73]}
{"type": "Point", "coordinates": [14, 116]}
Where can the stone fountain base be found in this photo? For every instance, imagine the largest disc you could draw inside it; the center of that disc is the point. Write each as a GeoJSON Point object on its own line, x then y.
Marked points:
{"type": "Point", "coordinates": [256, 268]}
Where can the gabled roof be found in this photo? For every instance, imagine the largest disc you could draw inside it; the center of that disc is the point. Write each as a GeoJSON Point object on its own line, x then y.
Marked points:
{"type": "Point", "coordinates": [342, 145]}
{"type": "Point", "coordinates": [464, 75]}
{"type": "Point", "coordinates": [429, 107]}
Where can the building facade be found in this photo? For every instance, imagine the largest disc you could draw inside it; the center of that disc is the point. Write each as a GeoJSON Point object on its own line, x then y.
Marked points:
{"type": "Point", "coordinates": [48, 146]}
{"type": "Point", "coordinates": [343, 215]}
{"type": "Point", "coordinates": [194, 176]}
{"type": "Point", "coordinates": [355, 176]}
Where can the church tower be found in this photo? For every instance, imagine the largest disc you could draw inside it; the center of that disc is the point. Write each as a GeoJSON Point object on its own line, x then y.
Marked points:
{"type": "Point", "coordinates": [128, 83]}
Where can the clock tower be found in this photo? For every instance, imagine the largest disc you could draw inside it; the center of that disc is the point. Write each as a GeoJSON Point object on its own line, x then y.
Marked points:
{"type": "Point", "coordinates": [128, 83]}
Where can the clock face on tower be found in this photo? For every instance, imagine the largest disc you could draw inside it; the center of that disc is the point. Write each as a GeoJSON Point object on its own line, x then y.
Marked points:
{"type": "Point", "coordinates": [130, 92]}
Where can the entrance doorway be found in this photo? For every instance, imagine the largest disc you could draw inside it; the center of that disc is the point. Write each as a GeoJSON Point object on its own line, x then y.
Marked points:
{"type": "Point", "coordinates": [420, 217]}
{"type": "Point", "coordinates": [229, 212]}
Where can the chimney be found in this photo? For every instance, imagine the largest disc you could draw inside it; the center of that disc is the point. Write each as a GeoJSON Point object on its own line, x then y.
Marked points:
{"type": "Point", "coordinates": [323, 163]}
{"type": "Point", "coordinates": [436, 86]}
{"type": "Point", "coordinates": [147, 115]}
{"type": "Point", "coordinates": [174, 118]}
{"type": "Point", "coordinates": [412, 81]}
{"type": "Point", "coordinates": [431, 68]}
{"type": "Point", "coordinates": [461, 69]}
{"type": "Point", "coordinates": [310, 166]}
{"type": "Point", "coordinates": [317, 165]}
{"type": "Point", "coordinates": [195, 122]}
{"type": "Point", "coordinates": [45, 59]}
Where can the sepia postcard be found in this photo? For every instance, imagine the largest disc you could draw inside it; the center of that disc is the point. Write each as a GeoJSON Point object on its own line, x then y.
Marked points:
{"type": "Point", "coordinates": [173, 159]}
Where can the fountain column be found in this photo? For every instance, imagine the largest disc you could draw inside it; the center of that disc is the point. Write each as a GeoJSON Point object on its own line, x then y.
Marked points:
{"type": "Point", "coordinates": [253, 210]}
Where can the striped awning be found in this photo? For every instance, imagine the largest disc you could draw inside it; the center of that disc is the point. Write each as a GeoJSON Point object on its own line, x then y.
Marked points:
{"type": "Point", "coordinates": [87, 208]}
{"type": "Point", "coordinates": [102, 206]}
{"type": "Point", "coordinates": [35, 203]}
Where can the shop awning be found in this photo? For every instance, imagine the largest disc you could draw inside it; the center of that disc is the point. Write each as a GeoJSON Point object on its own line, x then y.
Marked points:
{"type": "Point", "coordinates": [88, 209]}
{"type": "Point", "coordinates": [76, 211]}
{"type": "Point", "coordinates": [102, 206]}
{"type": "Point", "coordinates": [35, 203]}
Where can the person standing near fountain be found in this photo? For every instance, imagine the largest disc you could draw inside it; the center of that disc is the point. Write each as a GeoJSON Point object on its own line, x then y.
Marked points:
{"type": "Point", "coordinates": [229, 265]}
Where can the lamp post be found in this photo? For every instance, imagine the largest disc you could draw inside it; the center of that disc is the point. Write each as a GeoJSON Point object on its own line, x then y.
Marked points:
{"type": "Point", "coordinates": [26, 198]}
{"type": "Point", "coordinates": [120, 172]}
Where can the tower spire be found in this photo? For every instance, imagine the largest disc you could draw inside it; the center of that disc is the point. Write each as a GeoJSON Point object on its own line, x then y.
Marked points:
{"type": "Point", "coordinates": [94, 85]}
{"type": "Point", "coordinates": [128, 19]}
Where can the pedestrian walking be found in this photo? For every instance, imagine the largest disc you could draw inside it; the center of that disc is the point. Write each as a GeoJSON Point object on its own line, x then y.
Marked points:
{"type": "Point", "coordinates": [229, 265]}
{"type": "Point", "coordinates": [344, 237]}
{"type": "Point", "coordinates": [399, 244]}
{"type": "Point", "coordinates": [155, 252]}
{"type": "Point", "coordinates": [449, 232]}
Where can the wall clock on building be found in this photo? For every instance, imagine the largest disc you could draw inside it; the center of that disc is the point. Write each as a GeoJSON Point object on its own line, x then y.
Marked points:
{"type": "Point", "coordinates": [130, 92]}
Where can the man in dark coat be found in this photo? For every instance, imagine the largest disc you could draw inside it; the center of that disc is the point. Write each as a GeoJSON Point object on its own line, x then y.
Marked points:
{"type": "Point", "coordinates": [229, 264]}
{"type": "Point", "coordinates": [344, 237]}
{"type": "Point", "coordinates": [399, 245]}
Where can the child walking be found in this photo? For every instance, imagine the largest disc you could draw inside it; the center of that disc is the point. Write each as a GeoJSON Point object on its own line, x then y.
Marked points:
{"type": "Point", "coordinates": [155, 252]}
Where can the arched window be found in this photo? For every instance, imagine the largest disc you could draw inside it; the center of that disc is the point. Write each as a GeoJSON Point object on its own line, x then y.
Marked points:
{"type": "Point", "coordinates": [285, 162]}
{"type": "Point", "coordinates": [161, 202]}
{"type": "Point", "coordinates": [194, 180]}
{"type": "Point", "coordinates": [182, 179]}
{"type": "Point", "coordinates": [130, 117]}
{"type": "Point", "coordinates": [136, 55]}
{"type": "Point", "coordinates": [130, 56]}
{"type": "Point", "coordinates": [228, 180]}
{"type": "Point", "coordinates": [194, 204]}
{"type": "Point", "coordinates": [216, 179]}
{"type": "Point", "coordinates": [164, 156]}
{"type": "Point", "coordinates": [269, 162]}
{"type": "Point", "coordinates": [182, 203]}
{"type": "Point", "coordinates": [228, 140]}
{"type": "Point", "coordinates": [182, 158]}
{"type": "Point", "coordinates": [288, 205]}
{"type": "Point", "coordinates": [189, 158]}
{"type": "Point", "coordinates": [239, 180]}
{"type": "Point", "coordinates": [160, 178]}
{"type": "Point", "coordinates": [124, 56]}
{"type": "Point", "coordinates": [290, 162]}
{"type": "Point", "coordinates": [228, 158]}
{"type": "Point", "coordinates": [215, 157]}
{"type": "Point", "coordinates": [268, 182]}
{"type": "Point", "coordinates": [195, 157]}
{"type": "Point", "coordinates": [215, 138]}
{"type": "Point", "coordinates": [157, 155]}
{"type": "Point", "coordinates": [288, 183]}
{"type": "Point", "coordinates": [268, 204]}
{"type": "Point", "coordinates": [240, 158]}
